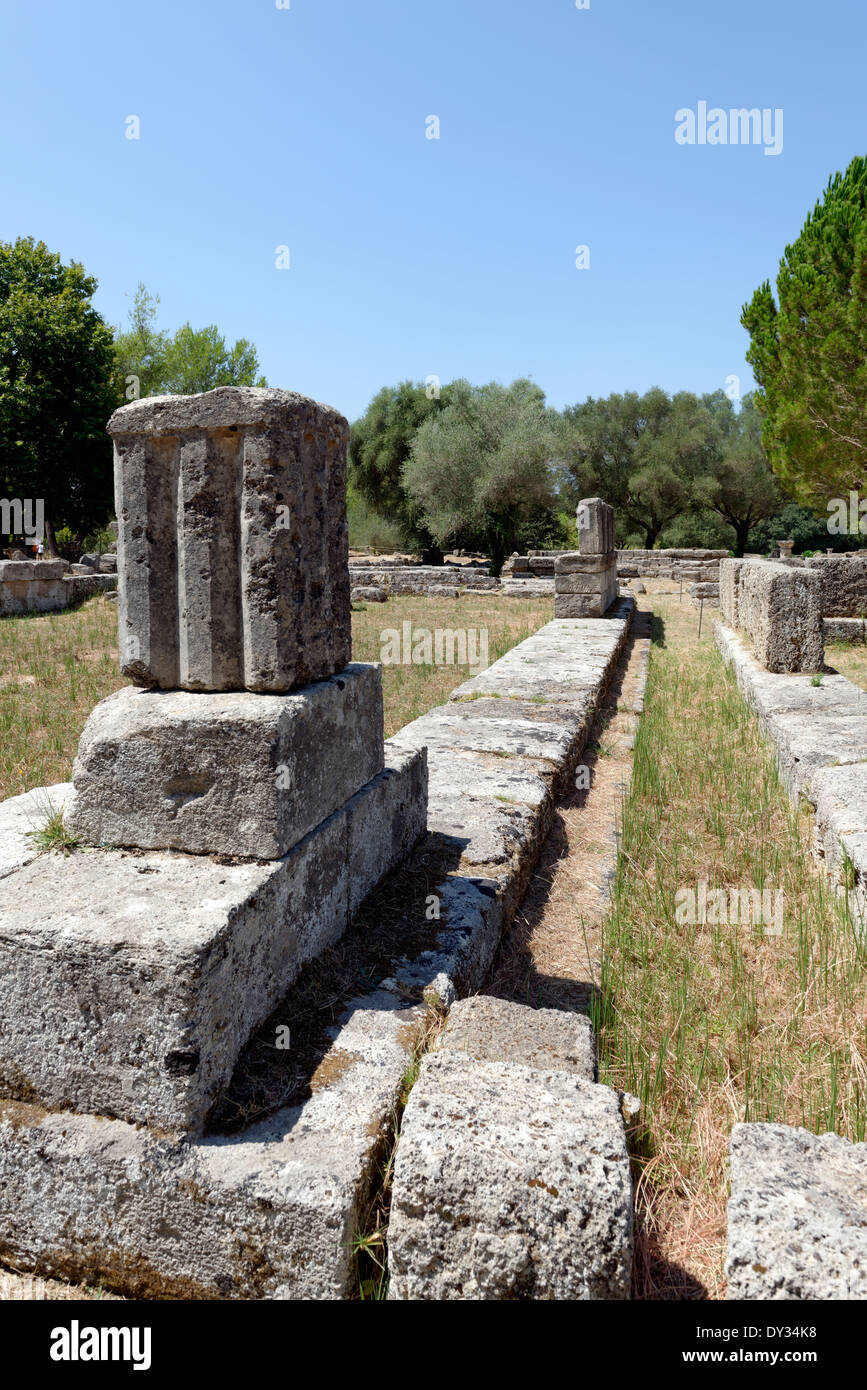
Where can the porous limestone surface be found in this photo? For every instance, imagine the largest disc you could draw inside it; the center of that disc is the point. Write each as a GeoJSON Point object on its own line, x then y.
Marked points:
{"type": "Point", "coordinates": [819, 733]}
{"type": "Point", "coordinates": [129, 982]}
{"type": "Point", "coordinates": [564, 658]}
{"type": "Point", "coordinates": [510, 1182]}
{"type": "Point", "coordinates": [269, 1213]}
{"type": "Point", "coordinates": [498, 1030]}
{"type": "Point", "coordinates": [780, 607]}
{"type": "Point", "coordinates": [843, 629]}
{"type": "Point", "coordinates": [225, 773]}
{"type": "Point", "coordinates": [232, 542]}
{"type": "Point", "coordinates": [797, 1217]}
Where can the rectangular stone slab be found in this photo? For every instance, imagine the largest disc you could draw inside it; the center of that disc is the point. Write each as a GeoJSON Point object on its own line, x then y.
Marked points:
{"type": "Point", "coordinates": [510, 1182]}
{"type": "Point", "coordinates": [130, 982]}
{"type": "Point", "coordinates": [584, 605]}
{"type": "Point", "coordinates": [232, 540]}
{"type": "Point", "coordinates": [269, 1213]}
{"type": "Point", "coordinates": [498, 1030]}
{"type": "Point", "coordinates": [228, 773]}
{"type": "Point", "coordinates": [797, 1218]}
{"type": "Point", "coordinates": [781, 609]}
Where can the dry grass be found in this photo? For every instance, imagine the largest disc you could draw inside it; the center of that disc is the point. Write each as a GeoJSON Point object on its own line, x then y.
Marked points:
{"type": "Point", "coordinates": [850, 659]}
{"type": "Point", "coordinates": [55, 667]}
{"type": "Point", "coordinates": [714, 1024]}
{"type": "Point", "coordinates": [410, 691]}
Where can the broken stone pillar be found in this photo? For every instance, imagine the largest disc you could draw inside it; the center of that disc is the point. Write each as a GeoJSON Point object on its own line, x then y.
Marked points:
{"type": "Point", "coordinates": [585, 580]}
{"type": "Point", "coordinates": [233, 579]}
{"type": "Point", "coordinates": [786, 548]}
{"type": "Point", "coordinates": [150, 971]}
{"type": "Point", "coordinates": [233, 544]}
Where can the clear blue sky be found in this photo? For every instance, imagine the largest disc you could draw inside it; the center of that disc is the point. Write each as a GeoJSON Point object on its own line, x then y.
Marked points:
{"type": "Point", "coordinates": [306, 127]}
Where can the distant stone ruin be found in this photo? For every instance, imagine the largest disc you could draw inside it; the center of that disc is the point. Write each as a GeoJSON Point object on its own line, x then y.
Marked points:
{"type": "Point", "coordinates": [585, 581]}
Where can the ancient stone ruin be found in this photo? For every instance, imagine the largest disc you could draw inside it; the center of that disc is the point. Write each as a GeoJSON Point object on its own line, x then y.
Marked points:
{"type": "Point", "coordinates": [130, 984]}
{"type": "Point", "coordinates": [585, 581]}
{"type": "Point", "coordinates": [46, 586]}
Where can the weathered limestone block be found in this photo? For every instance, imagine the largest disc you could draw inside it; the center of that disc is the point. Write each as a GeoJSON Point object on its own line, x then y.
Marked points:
{"type": "Point", "coordinates": [265, 1214]}
{"type": "Point", "coordinates": [573, 562]}
{"type": "Point", "coordinates": [583, 605]}
{"type": "Point", "coordinates": [129, 983]}
{"type": "Point", "coordinates": [595, 584]}
{"type": "Point", "coordinates": [32, 595]}
{"type": "Point", "coordinates": [797, 1217]}
{"type": "Point", "coordinates": [496, 1030]}
{"type": "Point", "coordinates": [225, 773]}
{"type": "Point", "coordinates": [232, 544]}
{"type": "Point", "coordinates": [368, 593]}
{"type": "Point", "coordinates": [585, 582]}
{"type": "Point", "coordinates": [729, 585]}
{"type": "Point", "coordinates": [843, 629]}
{"type": "Point", "coordinates": [82, 586]}
{"type": "Point", "coordinates": [31, 569]}
{"type": "Point", "coordinates": [529, 587]}
{"type": "Point", "coordinates": [595, 526]}
{"type": "Point", "coordinates": [844, 584]}
{"type": "Point", "coordinates": [510, 1182]}
{"type": "Point", "coordinates": [781, 609]}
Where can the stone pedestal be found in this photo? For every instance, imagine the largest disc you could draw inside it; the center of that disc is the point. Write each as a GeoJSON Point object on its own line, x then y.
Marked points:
{"type": "Point", "coordinates": [235, 813]}
{"type": "Point", "coordinates": [32, 586]}
{"type": "Point", "coordinates": [585, 581]}
{"type": "Point", "coordinates": [225, 773]}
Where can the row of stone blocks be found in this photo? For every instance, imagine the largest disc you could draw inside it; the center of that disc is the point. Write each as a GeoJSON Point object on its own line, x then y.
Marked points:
{"type": "Point", "coordinates": [422, 579]}
{"type": "Point", "coordinates": [797, 1217]}
{"type": "Point", "coordinates": [270, 1211]}
{"type": "Point", "coordinates": [44, 586]}
{"type": "Point", "coordinates": [779, 607]}
{"type": "Point", "coordinates": [512, 1176]}
{"type": "Point", "coordinates": [819, 733]}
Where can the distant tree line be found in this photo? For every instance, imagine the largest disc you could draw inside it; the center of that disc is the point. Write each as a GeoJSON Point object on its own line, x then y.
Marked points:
{"type": "Point", "coordinates": [493, 468]}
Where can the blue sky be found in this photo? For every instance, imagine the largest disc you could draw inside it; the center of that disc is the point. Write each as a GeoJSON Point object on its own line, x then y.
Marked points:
{"type": "Point", "coordinates": [306, 127]}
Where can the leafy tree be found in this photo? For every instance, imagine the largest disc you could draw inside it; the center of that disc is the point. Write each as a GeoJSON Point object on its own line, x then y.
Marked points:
{"type": "Point", "coordinates": [141, 352]}
{"type": "Point", "coordinates": [740, 486]}
{"type": "Point", "coordinates": [56, 389]}
{"type": "Point", "coordinates": [179, 364]}
{"type": "Point", "coordinates": [800, 525]}
{"type": "Point", "coordinates": [641, 453]}
{"type": "Point", "coordinates": [380, 444]}
{"type": "Point", "coordinates": [808, 348]}
{"type": "Point", "coordinates": [482, 468]}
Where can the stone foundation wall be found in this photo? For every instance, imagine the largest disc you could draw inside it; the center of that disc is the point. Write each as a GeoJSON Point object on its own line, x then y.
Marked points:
{"type": "Point", "coordinates": [419, 579]}
{"type": "Point", "coordinates": [688, 564]}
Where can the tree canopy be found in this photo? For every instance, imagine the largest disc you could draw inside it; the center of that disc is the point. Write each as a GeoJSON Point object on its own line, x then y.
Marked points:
{"type": "Point", "coordinates": [56, 388]}
{"type": "Point", "coordinates": [641, 453]}
{"type": "Point", "coordinates": [808, 348]}
{"type": "Point", "coordinates": [739, 486]}
{"type": "Point", "coordinates": [380, 445]}
{"type": "Point", "coordinates": [482, 469]}
{"type": "Point", "coordinates": [152, 362]}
